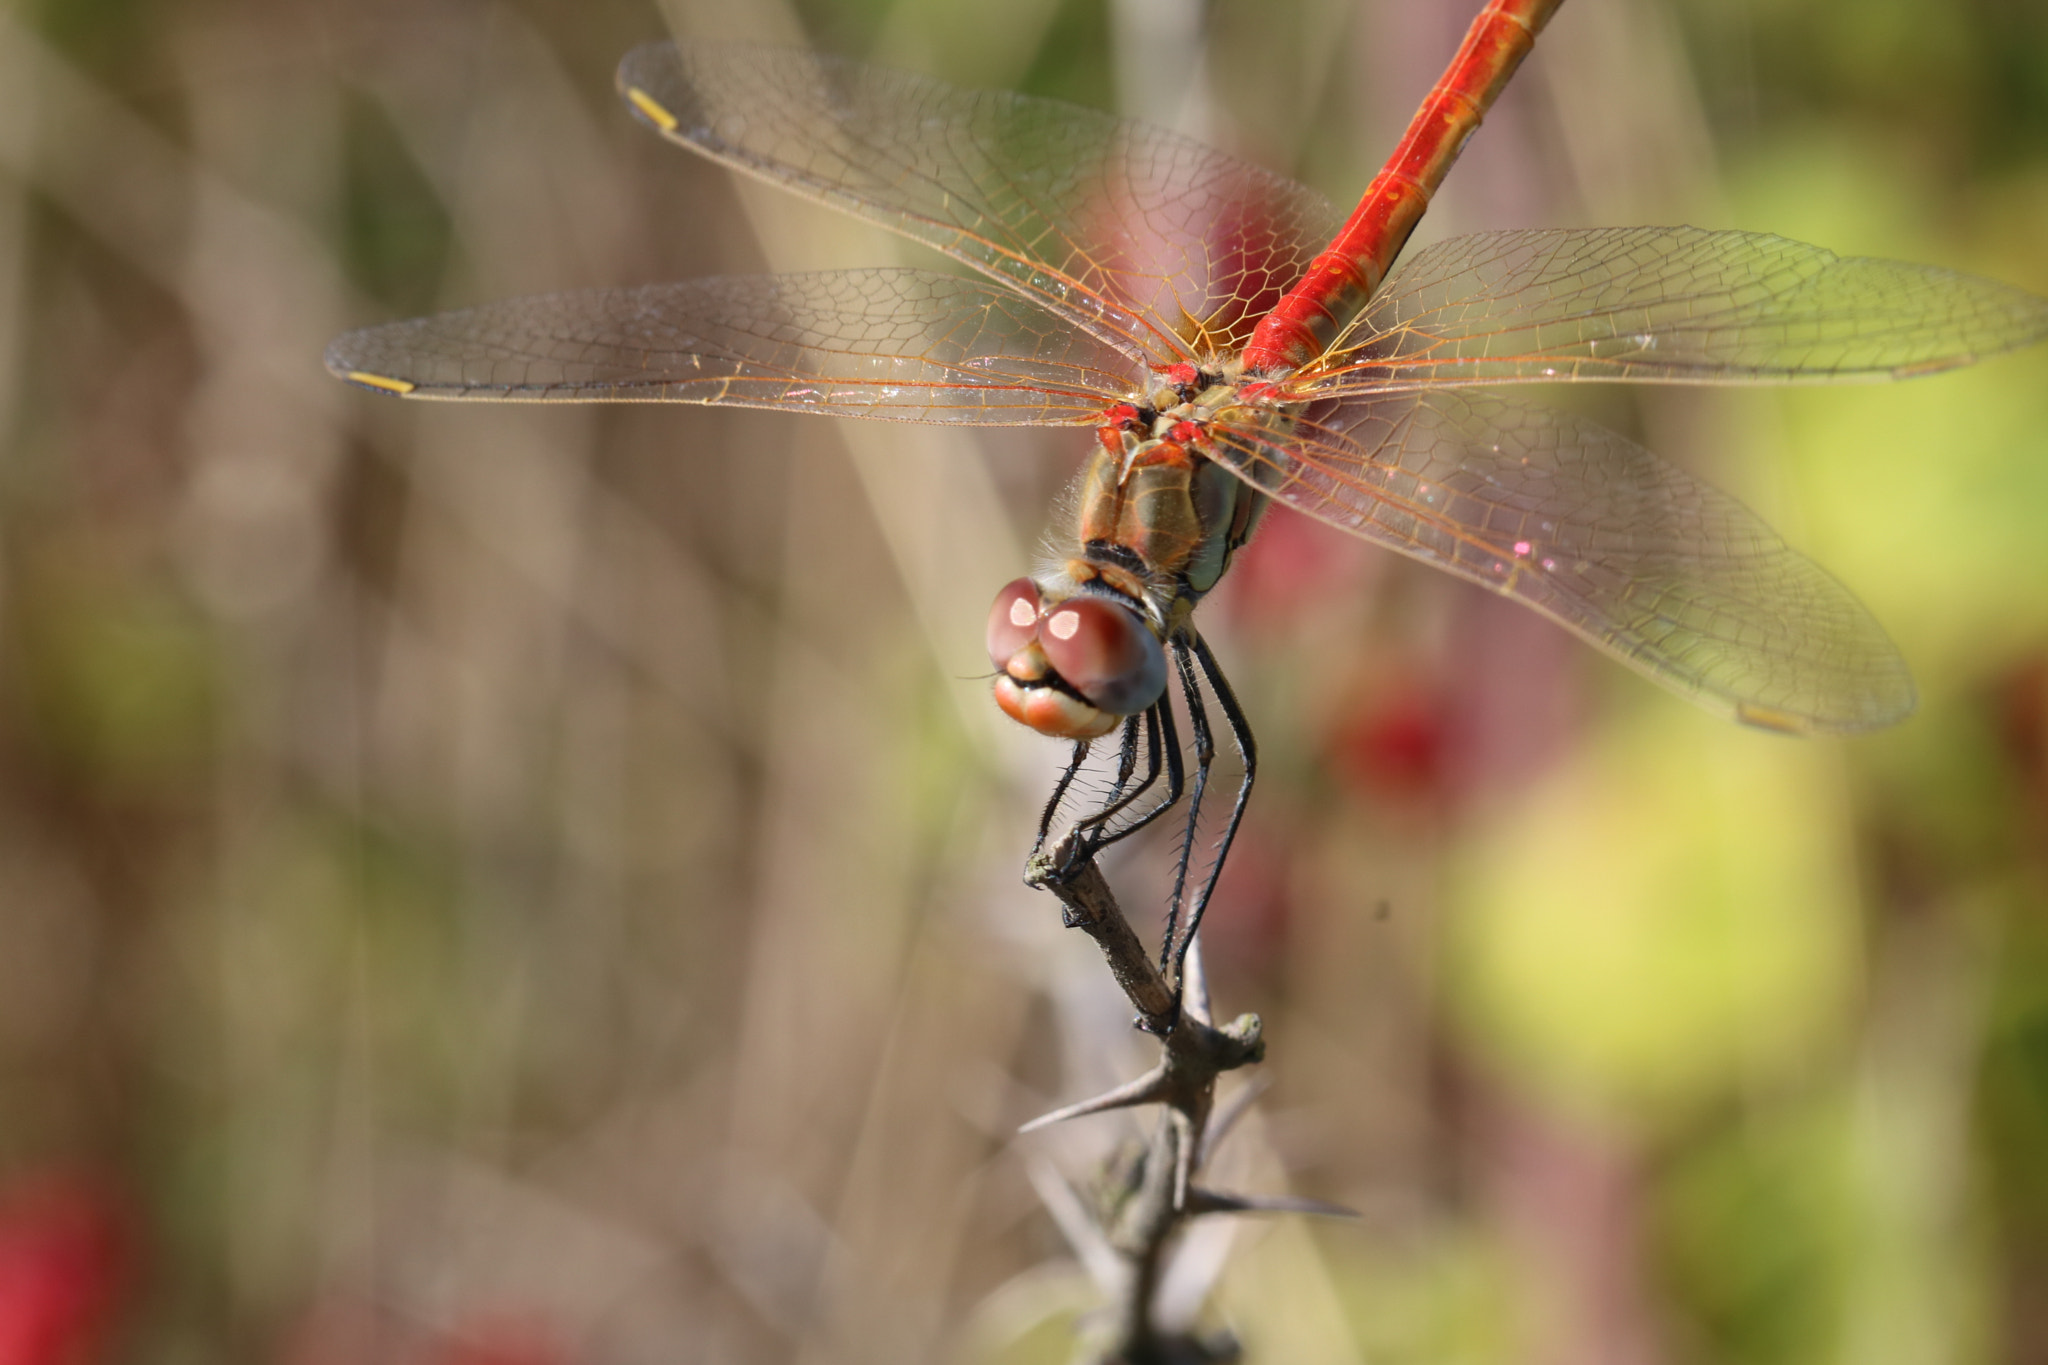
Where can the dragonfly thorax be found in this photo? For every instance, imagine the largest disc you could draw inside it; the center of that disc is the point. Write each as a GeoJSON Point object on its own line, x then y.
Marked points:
{"type": "Point", "coordinates": [1154, 515]}
{"type": "Point", "coordinates": [1180, 405]}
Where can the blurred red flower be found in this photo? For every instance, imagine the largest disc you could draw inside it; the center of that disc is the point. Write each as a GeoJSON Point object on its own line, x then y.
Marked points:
{"type": "Point", "coordinates": [502, 1339]}
{"type": "Point", "coordinates": [1391, 744]}
{"type": "Point", "coordinates": [63, 1264]}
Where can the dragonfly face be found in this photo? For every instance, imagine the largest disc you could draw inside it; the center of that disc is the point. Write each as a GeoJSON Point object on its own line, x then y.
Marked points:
{"type": "Point", "coordinates": [1073, 668]}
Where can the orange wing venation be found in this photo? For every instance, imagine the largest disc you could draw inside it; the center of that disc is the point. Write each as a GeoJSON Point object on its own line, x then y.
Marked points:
{"type": "Point", "coordinates": [1673, 577]}
{"type": "Point", "coordinates": [1155, 243]}
{"type": "Point", "coordinates": [1667, 305]}
{"type": "Point", "coordinates": [907, 344]}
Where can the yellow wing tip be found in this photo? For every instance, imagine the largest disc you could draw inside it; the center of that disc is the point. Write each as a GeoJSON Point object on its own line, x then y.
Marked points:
{"type": "Point", "coordinates": [378, 381]}
{"type": "Point", "coordinates": [1764, 718]}
{"type": "Point", "coordinates": [648, 105]}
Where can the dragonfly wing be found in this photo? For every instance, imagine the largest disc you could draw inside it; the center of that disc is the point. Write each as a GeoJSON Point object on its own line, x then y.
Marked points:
{"type": "Point", "coordinates": [1671, 576]}
{"type": "Point", "coordinates": [907, 344]}
{"type": "Point", "coordinates": [1667, 305]}
{"type": "Point", "coordinates": [1157, 244]}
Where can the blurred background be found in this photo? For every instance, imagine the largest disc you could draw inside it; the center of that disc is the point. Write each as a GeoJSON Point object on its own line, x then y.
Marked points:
{"type": "Point", "coordinates": [521, 887]}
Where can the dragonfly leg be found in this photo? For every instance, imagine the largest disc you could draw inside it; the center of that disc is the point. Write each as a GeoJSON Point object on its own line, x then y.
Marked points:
{"type": "Point", "coordinates": [1059, 791]}
{"type": "Point", "coordinates": [1121, 793]}
{"type": "Point", "coordinates": [1170, 950]}
{"type": "Point", "coordinates": [1093, 832]}
{"type": "Point", "coordinates": [1127, 764]}
{"type": "Point", "coordinates": [1248, 752]}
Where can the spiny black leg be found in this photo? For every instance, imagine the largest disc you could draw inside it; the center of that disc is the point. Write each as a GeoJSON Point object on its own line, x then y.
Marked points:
{"type": "Point", "coordinates": [1248, 751]}
{"type": "Point", "coordinates": [1059, 793]}
{"type": "Point", "coordinates": [1176, 775]}
{"type": "Point", "coordinates": [1170, 951]}
{"type": "Point", "coordinates": [1121, 793]}
{"type": "Point", "coordinates": [1162, 747]}
{"type": "Point", "coordinates": [1122, 796]}
{"type": "Point", "coordinates": [1127, 758]}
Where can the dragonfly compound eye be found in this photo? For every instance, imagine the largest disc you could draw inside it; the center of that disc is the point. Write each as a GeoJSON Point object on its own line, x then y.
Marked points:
{"type": "Point", "coordinates": [1012, 622]}
{"type": "Point", "coordinates": [1105, 653]}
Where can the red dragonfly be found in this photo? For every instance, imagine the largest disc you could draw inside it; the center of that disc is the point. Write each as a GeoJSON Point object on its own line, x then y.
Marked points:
{"type": "Point", "coordinates": [1175, 300]}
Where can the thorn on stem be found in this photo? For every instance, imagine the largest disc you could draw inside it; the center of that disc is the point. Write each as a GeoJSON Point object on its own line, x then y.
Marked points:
{"type": "Point", "coordinates": [1150, 1088]}
{"type": "Point", "coordinates": [1202, 1201]}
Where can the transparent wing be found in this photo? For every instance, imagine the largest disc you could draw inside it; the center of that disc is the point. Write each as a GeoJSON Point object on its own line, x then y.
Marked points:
{"type": "Point", "coordinates": [905, 344]}
{"type": "Point", "coordinates": [1159, 245]}
{"type": "Point", "coordinates": [1671, 576]}
{"type": "Point", "coordinates": [1666, 305]}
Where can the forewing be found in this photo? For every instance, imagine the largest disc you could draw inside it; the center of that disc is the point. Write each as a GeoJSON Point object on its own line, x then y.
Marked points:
{"type": "Point", "coordinates": [1159, 245]}
{"type": "Point", "coordinates": [1673, 577]}
{"type": "Point", "coordinates": [906, 344]}
{"type": "Point", "coordinates": [1667, 305]}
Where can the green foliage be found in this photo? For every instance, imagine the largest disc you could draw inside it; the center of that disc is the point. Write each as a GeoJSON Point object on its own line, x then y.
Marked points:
{"type": "Point", "coordinates": [396, 237]}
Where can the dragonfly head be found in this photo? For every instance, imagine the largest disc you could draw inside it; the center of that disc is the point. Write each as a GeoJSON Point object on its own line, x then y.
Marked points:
{"type": "Point", "coordinates": [1073, 668]}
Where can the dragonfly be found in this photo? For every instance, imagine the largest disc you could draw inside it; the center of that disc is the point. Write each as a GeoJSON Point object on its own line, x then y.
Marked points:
{"type": "Point", "coordinates": [1231, 343]}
